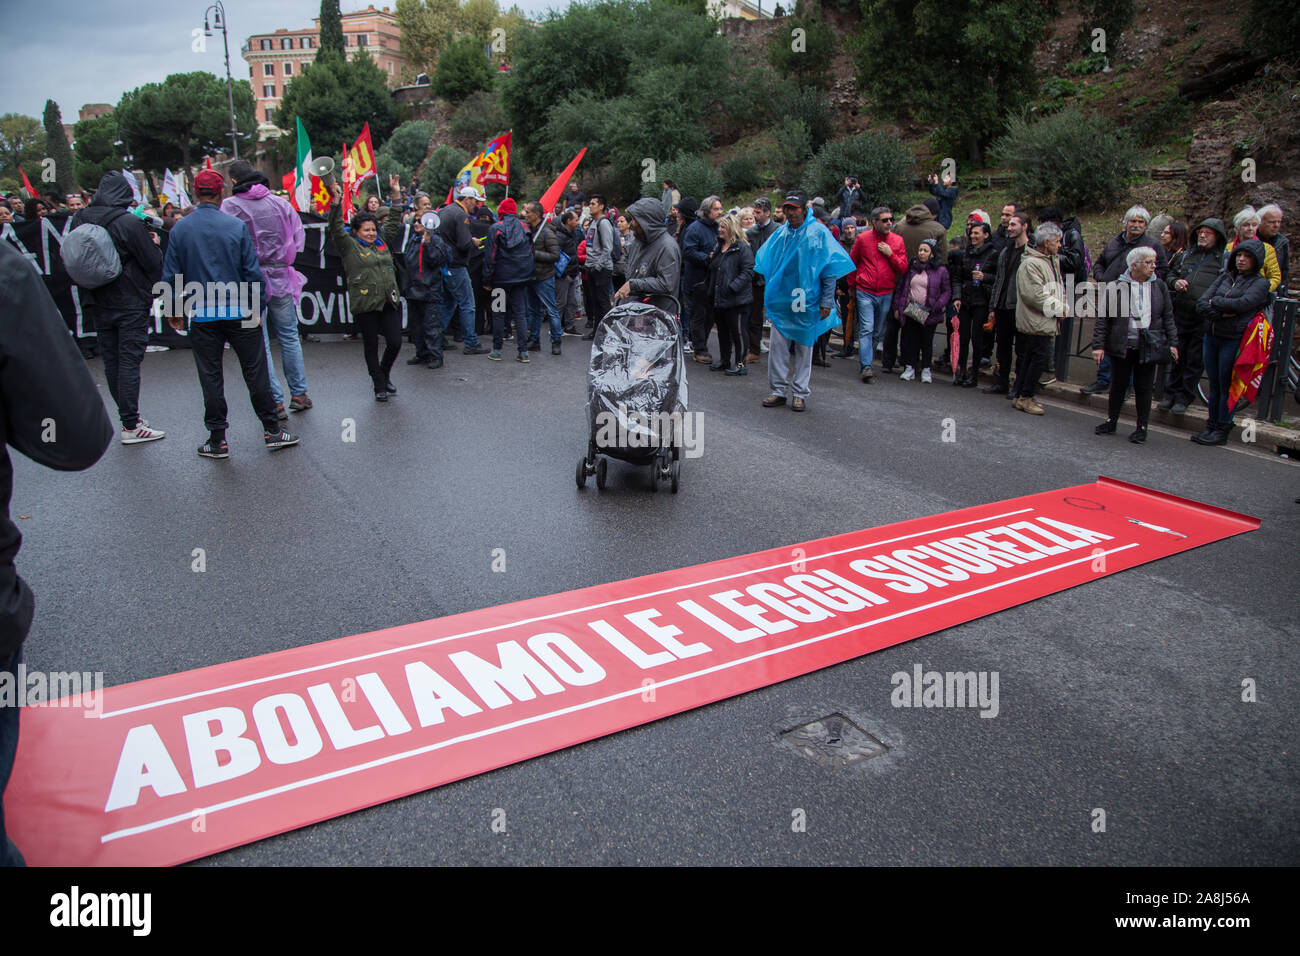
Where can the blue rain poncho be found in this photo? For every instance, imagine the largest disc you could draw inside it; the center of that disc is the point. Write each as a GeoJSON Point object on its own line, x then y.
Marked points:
{"type": "Point", "coordinates": [798, 259]}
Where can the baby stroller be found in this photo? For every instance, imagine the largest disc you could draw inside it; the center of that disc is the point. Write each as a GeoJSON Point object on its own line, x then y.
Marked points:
{"type": "Point", "coordinates": [636, 394]}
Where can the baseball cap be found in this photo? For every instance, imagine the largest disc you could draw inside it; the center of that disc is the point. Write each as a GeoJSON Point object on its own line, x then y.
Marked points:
{"type": "Point", "coordinates": [795, 197]}
{"type": "Point", "coordinates": [467, 192]}
{"type": "Point", "coordinates": [209, 180]}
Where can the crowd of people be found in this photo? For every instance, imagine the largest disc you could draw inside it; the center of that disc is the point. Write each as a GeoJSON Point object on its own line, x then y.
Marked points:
{"type": "Point", "coordinates": [993, 296]}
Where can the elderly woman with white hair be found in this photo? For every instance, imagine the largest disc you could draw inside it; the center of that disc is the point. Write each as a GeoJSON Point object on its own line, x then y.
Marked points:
{"type": "Point", "coordinates": [1137, 333]}
{"type": "Point", "coordinates": [1113, 262]}
{"type": "Point", "coordinates": [1246, 226]}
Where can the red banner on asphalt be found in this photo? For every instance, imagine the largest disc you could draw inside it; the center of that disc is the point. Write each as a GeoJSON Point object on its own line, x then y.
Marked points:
{"type": "Point", "coordinates": [171, 769]}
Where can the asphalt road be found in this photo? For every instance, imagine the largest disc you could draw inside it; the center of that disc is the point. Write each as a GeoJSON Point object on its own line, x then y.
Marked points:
{"type": "Point", "coordinates": [1122, 694]}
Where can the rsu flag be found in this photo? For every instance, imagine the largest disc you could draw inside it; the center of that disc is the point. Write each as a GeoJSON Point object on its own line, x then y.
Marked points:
{"type": "Point", "coordinates": [495, 164]}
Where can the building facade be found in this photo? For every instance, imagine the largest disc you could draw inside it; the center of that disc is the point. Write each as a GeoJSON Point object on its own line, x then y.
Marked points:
{"type": "Point", "coordinates": [274, 59]}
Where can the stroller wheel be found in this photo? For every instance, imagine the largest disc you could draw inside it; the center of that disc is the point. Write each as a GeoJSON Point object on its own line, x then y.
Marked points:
{"type": "Point", "coordinates": [677, 468]}
{"type": "Point", "coordinates": [582, 473]}
{"type": "Point", "coordinates": [600, 473]}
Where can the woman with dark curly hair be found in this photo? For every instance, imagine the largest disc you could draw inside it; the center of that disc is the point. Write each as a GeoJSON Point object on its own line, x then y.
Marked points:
{"type": "Point", "coordinates": [372, 286]}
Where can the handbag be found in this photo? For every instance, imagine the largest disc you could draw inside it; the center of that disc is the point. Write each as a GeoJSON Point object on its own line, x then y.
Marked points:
{"type": "Point", "coordinates": [916, 311]}
{"type": "Point", "coordinates": [562, 263]}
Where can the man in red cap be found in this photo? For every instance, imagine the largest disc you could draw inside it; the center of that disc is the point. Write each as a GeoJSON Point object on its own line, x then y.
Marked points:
{"type": "Point", "coordinates": [215, 250]}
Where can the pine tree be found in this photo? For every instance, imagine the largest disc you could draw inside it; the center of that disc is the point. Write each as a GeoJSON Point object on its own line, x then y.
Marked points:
{"type": "Point", "coordinates": [331, 28]}
{"type": "Point", "coordinates": [56, 145]}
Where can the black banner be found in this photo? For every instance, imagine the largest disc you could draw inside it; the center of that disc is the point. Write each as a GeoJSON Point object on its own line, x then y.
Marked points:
{"type": "Point", "coordinates": [322, 308]}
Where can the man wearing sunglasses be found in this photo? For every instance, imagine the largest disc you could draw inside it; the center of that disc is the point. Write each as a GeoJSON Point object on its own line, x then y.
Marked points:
{"type": "Point", "coordinates": [881, 258]}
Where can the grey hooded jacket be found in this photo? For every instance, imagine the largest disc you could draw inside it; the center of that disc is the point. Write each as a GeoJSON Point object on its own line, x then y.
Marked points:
{"type": "Point", "coordinates": [654, 266]}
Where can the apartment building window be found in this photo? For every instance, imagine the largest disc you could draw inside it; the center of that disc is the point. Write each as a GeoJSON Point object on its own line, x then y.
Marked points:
{"type": "Point", "coordinates": [286, 43]}
{"type": "Point", "coordinates": [269, 113]}
{"type": "Point", "coordinates": [266, 44]}
{"type": "Point", "coordinates": [268, 91]}
{"type": "Point", "coordinates": [288, 69]}
{"type": "Point", "coordinates": [306, 43]}
{"type": "Point", "coordinates": [362, 39]}
{"type": "Point", "coordinates": [268, 69]}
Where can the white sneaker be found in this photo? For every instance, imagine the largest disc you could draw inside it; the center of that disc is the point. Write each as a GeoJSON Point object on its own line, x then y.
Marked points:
{"type": "Point", "coordinates": [141, 432]}
{"type": "Point", "coordinates": [926, 377]}
{"type": "Point", "coordinates": [763, 346]}
{"type": "Point", "coordinates": [688, 349]}
{"type": "Point", "coordinates": [908, 375]}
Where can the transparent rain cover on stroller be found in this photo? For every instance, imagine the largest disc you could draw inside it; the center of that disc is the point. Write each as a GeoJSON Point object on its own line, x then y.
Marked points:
{"type": "Point", "coordinates": [637, 375]}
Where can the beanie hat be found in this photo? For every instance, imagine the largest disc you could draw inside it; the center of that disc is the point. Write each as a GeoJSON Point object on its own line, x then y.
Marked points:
{"type": "Point", "coordinates": [507, 207]}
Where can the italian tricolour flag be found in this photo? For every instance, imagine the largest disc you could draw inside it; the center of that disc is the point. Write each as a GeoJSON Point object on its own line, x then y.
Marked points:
{"type": "Point", "coordinates": [309, 193]}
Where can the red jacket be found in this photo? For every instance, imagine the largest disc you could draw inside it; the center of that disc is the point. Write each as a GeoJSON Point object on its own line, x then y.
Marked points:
{"type": "Point", "coordinates": [877, 273]}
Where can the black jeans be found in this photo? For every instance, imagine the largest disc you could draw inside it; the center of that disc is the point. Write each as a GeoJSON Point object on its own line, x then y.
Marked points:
{"type": "Point", "coordinates": [729, 339]}
{"type": "Point", "coordinates": [889, 358]}
{"type": "Point", "coordinates": [1144, 377]}
{"type": "Point", "coordinates": [516, 311]}
{"type": "Point", "coordinates": [482, 312]}
{"type": "Point", "coordinates": [917, 349]}
{"type": "Point", "coordinates": [372, 324]}
{"type": "Point", "coordinates": [1033, 351]}
{"type": "Point", "coordinates": [970, 336]}
{"type": "Point", "coordinates": [701, 317]}
{"type": "Point", "coordinates": [424, 322]}
{"type": "Point", "coordinates": [754, 328]}
{"type": "Point", "coordinates": [1004, 327]}
{"type": "Point", "coordinates": [1185, 374]}
{"type": "Point", "coordinates": [598, 303]}
{"type": "Point", "coordinates": [207, 340]}
{"type": "Point", "coordinates": [123, 338]}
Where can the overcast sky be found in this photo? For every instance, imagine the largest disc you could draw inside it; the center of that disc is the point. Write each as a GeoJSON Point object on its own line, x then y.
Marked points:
{"type": "Point", "coordinates": [93, 51]}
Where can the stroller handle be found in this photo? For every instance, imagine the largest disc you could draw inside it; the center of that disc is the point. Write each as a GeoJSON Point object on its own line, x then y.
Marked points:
{"type": "Point", "coordinates": [660, 295]}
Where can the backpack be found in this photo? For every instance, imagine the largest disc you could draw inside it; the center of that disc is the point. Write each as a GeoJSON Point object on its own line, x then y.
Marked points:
{"type": "Point", "coordinates": [90, 255]}
{"type": "Point", "coordinates": [616, 253]}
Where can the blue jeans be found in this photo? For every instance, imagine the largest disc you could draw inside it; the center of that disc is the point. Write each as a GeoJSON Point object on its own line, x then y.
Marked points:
{"type": "Point", "coordinates": [9, 855]}
{"type": "Point", "coordinates": [458, 293]}
{"type": "Point", "coordinates": [1220, 354]}
{"type": "Point", "coordinates": [1103, 371]}
{"type": "Point", "coordinates": [541, 295]}
{"type": "Point", "coordinates": [872, 310]}
{"type": "Point", "coordinates": [282, 314]}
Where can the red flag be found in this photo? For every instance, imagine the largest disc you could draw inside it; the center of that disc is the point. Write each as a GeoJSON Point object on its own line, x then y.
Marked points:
{"type": "Point", "coordinates": [496, 161]}
{"type": "Point", "coordinates": [31, 190]}
{"type": "Point", "coordinates": [362, 157]}
{"type": "Point", "coordinates": [552, 195]}
{"type": "Point", "coordinates": [287, 181]}
{"type": "Point", "coordinates": [207, 162]}
{"type": "Point", "coordinates": [1252, 359]}
{"type": "Point", "coordinates": [347, 184]}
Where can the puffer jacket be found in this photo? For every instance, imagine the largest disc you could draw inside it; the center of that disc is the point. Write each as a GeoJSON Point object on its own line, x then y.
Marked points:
{"type": "Point", "coordinates": [701, 237]}
{"type": "Point", "coordinates": [1200, 267]}
{"type": "Point", "coordinates": [425, 258]}
{"type": "Point", "coordinates": [1234, 298]}
{"type": "Point", "coordinates": [1040, 293]}
{"type": "Point", "coordinates": [732, 276]}
{"type": "Point", "coordinates": [1270, 268]}
{"type": "Point", "coordinates": [877, 274]}
{"type": "Point", "coordinates": [975, 295]}
{"type": "Point", "coordinates": [938, 292]}
{"type": "Point", "coordinates": [1111, 332]}
{"type": "Point", "coordinates": [508, 254]}
{"type": "Point", "coordinates": [654, 267]}
{"type": "Point", "coordinates": [142, 260]}
{"type": "Point", "coordinates": [919, 224]}
{"type": "Point", "coordinates": [1113, 261]}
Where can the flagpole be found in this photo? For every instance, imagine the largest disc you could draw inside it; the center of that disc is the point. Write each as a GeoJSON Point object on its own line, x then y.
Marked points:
{"type": "Point", "coordinates": [511, 133]}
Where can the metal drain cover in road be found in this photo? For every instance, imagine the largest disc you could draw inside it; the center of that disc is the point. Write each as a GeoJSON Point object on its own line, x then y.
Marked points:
{"type": "Point", "coordinates": [834, 741]}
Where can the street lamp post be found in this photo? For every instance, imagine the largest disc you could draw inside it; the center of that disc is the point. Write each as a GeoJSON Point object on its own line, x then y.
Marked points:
{"type": "Point", "coordinates": [219, 20]}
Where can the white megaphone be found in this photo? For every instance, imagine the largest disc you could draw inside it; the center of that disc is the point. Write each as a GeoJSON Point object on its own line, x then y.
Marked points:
{"type": "Point", "coordinates": [429, 221]}
{"type": "Point", "coordinates": [323, 169]}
